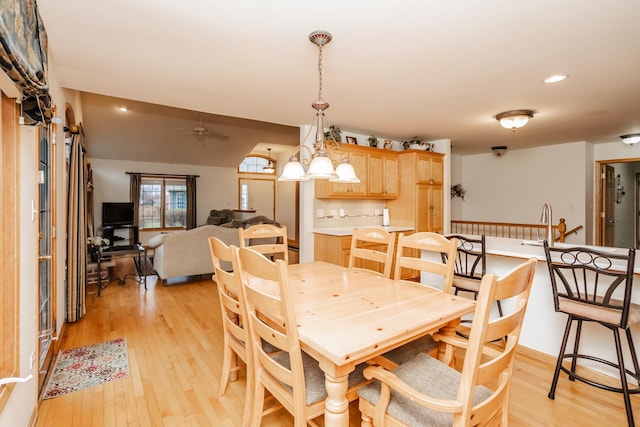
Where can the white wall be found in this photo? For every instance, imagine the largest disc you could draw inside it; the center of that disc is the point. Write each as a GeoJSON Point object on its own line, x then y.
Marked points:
{"type": "Point", "coordinates": [217, 188]}
{"type": "Point", "coordinates": [513, 187]}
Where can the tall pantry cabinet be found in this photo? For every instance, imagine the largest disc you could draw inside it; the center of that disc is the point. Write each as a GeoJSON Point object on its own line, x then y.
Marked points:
{"type": "Point", "coordinates": [421, 194]}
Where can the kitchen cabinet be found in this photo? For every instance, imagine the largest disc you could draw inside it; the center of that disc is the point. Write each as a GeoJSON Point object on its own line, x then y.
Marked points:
{"type": "Point", "coordinates": [358, 159]}
{"type": "Point", "coordinates": [377, 170]}
{"type": "Point", "coordinates": [430, 169]}
{"type": "Point", "coordinates": [420, 198]}
{"type": "Point", "coordinates": [382, 175]}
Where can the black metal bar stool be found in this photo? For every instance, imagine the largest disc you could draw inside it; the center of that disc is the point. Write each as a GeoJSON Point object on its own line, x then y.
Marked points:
{"type": "Point", "coordinates": [595, 286]}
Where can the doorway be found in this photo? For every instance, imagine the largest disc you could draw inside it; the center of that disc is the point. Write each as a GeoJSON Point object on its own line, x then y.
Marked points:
{"type": "Point", "coordinates": [258, 195]}
{"type": "Point", "coordinates": [617, 208]}
{"type": "Point", "coordinates": [46, 253]}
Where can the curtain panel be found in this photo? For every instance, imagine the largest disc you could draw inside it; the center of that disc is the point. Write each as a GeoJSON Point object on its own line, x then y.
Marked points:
{"type": "Point", "coordinates": [192, 214]}
{"type": "Point", "coordinates": [23, 57]}
{"type": "Point", "coordinates": [77, 232]}
{"type": "Point", "coordinates": [135, 181]}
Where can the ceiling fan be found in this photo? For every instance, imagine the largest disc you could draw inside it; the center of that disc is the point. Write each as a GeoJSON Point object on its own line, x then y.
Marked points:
{"type": "Point", "coordinates": [201, 132]}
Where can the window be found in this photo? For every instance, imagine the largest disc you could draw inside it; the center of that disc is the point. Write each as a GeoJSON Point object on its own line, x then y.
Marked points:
{"type": "Point", "coordinates": [163, 202]}
{"type": "Point", "coordinates": [255, 163]}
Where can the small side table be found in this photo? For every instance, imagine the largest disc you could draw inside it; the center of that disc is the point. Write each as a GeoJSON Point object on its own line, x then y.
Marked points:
{"type": "Point", "coordinates": [137, 251]}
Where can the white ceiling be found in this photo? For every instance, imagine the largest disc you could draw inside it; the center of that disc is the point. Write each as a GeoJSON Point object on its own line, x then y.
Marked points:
{"type": "Point", "coordinates": [436, 69]}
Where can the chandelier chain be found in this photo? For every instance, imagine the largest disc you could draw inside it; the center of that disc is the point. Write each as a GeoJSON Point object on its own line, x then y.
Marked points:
{"type": "Point", "coordinates": [320, 73]}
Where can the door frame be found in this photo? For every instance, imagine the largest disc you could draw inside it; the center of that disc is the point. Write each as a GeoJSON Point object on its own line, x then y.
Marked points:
{"type": "Point", "coordinates": [600, 195]}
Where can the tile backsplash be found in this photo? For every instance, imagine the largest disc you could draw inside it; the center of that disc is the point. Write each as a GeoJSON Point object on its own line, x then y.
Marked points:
{"type": "Point", "coordinates": [329, 213]}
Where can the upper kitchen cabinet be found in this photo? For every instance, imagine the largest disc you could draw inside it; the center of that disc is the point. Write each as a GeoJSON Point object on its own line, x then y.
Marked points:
{"type": "Point", "coordinates": [369, 164]}
{"type": "Point", "coordinates": [430, 169]}
{"type": "Point", "coordinates": [382, 175]}
{"type": "Point", "coordinates": [420, 200]}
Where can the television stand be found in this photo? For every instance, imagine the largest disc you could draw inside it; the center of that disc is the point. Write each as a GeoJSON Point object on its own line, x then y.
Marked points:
{"type": "Point", "coordinates": [140, 259]}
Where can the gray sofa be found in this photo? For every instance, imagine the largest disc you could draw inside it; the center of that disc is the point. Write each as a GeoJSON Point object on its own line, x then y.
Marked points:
{"type": "Point", "coordinates": [187, 253]}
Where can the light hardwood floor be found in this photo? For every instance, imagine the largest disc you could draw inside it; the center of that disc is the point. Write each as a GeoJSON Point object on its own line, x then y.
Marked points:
{"type": "Point", "coordinates": [174, 341]}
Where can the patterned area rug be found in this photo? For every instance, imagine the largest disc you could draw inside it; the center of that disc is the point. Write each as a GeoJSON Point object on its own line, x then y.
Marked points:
{"type": "Point", "coordinates": [88, 366]}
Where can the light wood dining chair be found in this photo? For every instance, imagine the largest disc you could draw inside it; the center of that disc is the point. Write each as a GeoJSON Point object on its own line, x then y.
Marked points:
{"type": "Point", "coordinates": [232, 307]}
{"type": "Point", "coordinates": [423, 251]}
{"type": "Point", "coordinates": [268, 239]}
{"type": "Point", "coordinates": [427, 392]}
{"type": "Point", "coordinates": [372, 250]}
{"type": "Point", "coordinates": [434, 246]}
{"type": "Point", "coordinates": [293, 377]}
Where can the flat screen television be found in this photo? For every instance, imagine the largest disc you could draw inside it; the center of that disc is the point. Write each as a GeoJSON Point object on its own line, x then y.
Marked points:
{"type": "Point", "coordinates": [117, 213]}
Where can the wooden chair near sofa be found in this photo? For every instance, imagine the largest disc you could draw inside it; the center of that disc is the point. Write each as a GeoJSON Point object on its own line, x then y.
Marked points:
{"type": "Point", "coordinates": [234, 324]}
{"type": "Point", "coordinates": [235, 335]}
{"type": "Point", "coordinates": [277, 245]}
{"type": "Point", "coordinates": [427, 392]}
{"type": "Point", "coordinates": [378, 258]}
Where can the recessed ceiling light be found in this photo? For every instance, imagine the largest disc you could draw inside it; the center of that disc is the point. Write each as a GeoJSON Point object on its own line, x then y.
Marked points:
{"type": "Point", "coordinates": [123, 109]}
{"type": "Point", "coordinates": [555, 78]}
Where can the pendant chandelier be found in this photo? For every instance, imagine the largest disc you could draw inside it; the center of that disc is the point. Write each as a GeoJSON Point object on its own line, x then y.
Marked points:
{"type": "Point", "coordinates": [270, 167]}
{"type": "Point", "coordinates": [320, 166]}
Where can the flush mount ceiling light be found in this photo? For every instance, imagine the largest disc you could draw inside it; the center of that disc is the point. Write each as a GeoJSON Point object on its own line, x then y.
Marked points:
{"type": "Point", "coordinates": [632, 138]}
{"type": "Point", "coordinates": [514, 119]}
{"type": "Point", "coordinates": [270, 167]}
{"type": "Point", "coordinates": [320, 166]}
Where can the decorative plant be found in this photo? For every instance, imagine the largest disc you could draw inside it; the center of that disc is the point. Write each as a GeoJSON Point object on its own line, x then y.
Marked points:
{"type": "Point", "coordinates": [458, 191]}
{"type": "Point", "coordinates": [97, 241]}
{"type": "Point", "coordinates": [93, 246]}
{"type": "Point", "coordinates": [373, 141]}
{"type": "Point", "coordinates": [334, 133]}
{"type": "Point", "coordinates": [428, 146]}
{"type": "Point", "coordinates": [415, 140]}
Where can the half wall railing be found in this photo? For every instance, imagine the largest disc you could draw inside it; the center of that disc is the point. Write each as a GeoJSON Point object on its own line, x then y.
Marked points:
{"type": "Point", "coordinates": [512, 230]}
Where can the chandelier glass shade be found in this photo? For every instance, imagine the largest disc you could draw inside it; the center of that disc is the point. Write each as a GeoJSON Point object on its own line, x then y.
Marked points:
{"type": "Point", "coordinates": [319, 165]}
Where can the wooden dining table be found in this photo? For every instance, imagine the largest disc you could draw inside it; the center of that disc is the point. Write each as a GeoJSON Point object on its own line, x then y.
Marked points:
{"type": "Point", "coordinates": [346, 317]}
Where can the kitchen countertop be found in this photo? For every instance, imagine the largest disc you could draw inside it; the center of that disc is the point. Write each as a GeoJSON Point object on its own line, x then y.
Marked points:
{"type": "Point", "coordinates": [347, 231]}
{"type": "Point", "coordinates": [519, 248]}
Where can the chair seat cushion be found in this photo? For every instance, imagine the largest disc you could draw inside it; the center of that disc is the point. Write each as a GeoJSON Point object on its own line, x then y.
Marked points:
{"type": "Point", "coordinates": [429, 376]}
{"type": "Point", "coordinates": [599, 313]}
{"type": "Point", "coordinates": [314, 376]}
{"type": "Point", "coordinates": [406, 352]}
{"type": "Point", "coordinates": [467, 283]}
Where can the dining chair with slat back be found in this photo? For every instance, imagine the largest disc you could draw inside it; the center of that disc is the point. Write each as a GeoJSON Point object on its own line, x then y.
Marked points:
{"type": "Point", "coordinates": [426, 256]}
{"type": "Point", "coordinates": [433, 245]}
{"type": "Point", "coordinates": [427, 392]}
{"type": "Point", "coordinates": [372, 250]}
{"type": "Point", "coordinates": [591, 285]}
{"type": "Point", "coordinates": [232, 307]}
{"type": "Point", "coordinates": [293, 377]}
{"type": "Point", "coordinates": [268, 239]}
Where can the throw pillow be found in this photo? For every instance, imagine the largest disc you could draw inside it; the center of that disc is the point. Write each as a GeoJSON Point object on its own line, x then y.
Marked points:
{"type": "Point", "coordinates": [220, 217]}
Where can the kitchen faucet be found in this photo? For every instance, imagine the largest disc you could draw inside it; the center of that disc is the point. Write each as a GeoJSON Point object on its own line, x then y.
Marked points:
{"type": "Point", "coordinates": [546, 217]}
